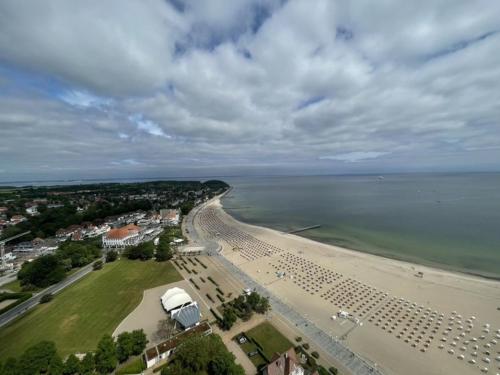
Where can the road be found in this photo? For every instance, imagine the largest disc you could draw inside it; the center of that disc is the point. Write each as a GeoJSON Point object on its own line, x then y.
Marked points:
{"type": "Point", "coordinates": [33, 301]}
{"type": "Point", "coordinates": [341, 353]}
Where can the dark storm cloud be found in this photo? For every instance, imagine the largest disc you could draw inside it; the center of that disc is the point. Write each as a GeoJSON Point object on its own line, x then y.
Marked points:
{"type": "Point", "coordinates": [173, 87]}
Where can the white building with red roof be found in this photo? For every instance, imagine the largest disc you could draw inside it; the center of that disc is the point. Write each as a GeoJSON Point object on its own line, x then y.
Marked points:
{"type": "Point", "coordinates": [129, 235]}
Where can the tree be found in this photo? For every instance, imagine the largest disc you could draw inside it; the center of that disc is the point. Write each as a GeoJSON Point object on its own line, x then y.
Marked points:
{"type": "Point", "coordinates": [105, 356]}
{"type": "Point", "coordinates": [111, 256]}
{"type": "Point", "coordinates": [87, 366]}
{"type": "Point", "coordinates": [163, 251]}
{"type": "Point", "coordinates": [143, 251]}
{"type": "Point", "coordinates": [203, 355]}
{"type": "Point", "coordinates": [72, 365]}
{"type": "Point", "coordinates": [42, 272]}
{"type": "Point", "coordinates": [124, 345]}
{"type": "Point", "coordinates": [56, 366]}
{"type": "Point", "coordinates": [229, 317]}
{"type": "Point", "coordinates": [139, 341]}
{"type": "Point", "coordinates": [263, 305]}
{"type": "Point", "coordinates": [253, 300]}
{"type": "Point", "coordinates": [37, 358]}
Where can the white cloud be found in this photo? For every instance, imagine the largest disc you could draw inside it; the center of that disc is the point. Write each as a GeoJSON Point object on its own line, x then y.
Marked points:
{"type": "Point", "coordinates": [145, 81]}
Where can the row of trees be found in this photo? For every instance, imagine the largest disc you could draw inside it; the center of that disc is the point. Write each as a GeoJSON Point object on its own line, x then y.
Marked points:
{"type": "Point", "coordinates": [50, 269]}
{"type": "Point", "coordinates": [243, 307]}
{"type": "Point", "coordinates": [203, 355]}
{"type": "Point", "coordinates": [42, 358]}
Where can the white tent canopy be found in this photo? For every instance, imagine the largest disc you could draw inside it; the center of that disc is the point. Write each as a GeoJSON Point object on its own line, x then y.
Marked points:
{"type": "Point", "coordinates": [175, 298]}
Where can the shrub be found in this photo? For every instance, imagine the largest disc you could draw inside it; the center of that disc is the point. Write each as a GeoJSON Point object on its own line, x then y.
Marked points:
{"type": "Point", "coordinates": [315, 354]}
{"type": "Point", "coordinates": [220, 298]}
{"type": "Point", "coordinates": [47, 298]}
{"type": "Point", "coordinates": [97, 265]}
{"type": "Point", "coordinates": [305, 346]}
{"type": "Point", "coordinates": [210, 298]}
{"type": "Point", "coordinates": [111, 256]}
{"type": "Point", "coordinates": [298, 339]}
{"type": "Point", "coordinates": [212, 281]}
{"type": "Point", "coordinates": [333, 370]}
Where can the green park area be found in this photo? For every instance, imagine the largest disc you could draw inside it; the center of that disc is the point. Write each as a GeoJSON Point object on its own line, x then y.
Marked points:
{"type": "Point", "coordinates": [266, 338]}
{"type": "Point", "coordinates": [77, 317]}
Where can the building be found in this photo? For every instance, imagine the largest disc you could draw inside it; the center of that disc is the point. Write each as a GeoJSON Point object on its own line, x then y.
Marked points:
{"type": "Point", "coordinates": [16, 219]}
{"type": "Point", "coordinates": [129, 235]}
{"type": "Point", "coordinates": [32, 210]}
{"type": "Point", "coordinates": [174, 299]}
{"type": "Point", "coordinates": [187, 316]}
{"type": "Point", "coordinates": [284, 364]}
{"type": "Point", "coordinates": [162, 351]}
{"type": "Point", "coordinates": [170, 216]}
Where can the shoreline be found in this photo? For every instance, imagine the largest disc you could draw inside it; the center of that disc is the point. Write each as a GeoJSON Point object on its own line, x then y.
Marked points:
{"type": "Point", "coordinates": [355, 252]}
{"type": "Point", "coordinates": [393, 314]}
{"type": "Point", "coordinates": [440, 267]}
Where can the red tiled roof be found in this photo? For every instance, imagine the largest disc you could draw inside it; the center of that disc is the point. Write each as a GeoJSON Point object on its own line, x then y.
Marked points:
{"type": "Point", "coordinates": [119, 233]}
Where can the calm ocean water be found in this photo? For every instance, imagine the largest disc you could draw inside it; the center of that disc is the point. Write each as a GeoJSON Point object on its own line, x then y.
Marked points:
{"type": "Point", "coordinates": [450, 221]}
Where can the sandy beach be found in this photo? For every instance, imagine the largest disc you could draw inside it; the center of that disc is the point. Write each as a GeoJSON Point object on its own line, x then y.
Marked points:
{"type": "Point", "coordinates": [441, 323]}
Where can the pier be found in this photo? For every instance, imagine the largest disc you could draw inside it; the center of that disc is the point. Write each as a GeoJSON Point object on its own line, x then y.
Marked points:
{"type": "Point", "coordinates": [303, 229]}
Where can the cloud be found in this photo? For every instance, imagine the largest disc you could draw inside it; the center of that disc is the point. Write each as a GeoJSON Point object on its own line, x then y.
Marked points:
{"type": "Point", "coordinates": [84, 99]}
{"type": "Point", "coordinates": [249, 85]}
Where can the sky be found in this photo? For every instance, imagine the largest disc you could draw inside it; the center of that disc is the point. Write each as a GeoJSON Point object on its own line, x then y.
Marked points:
{"type": "Point", "coordinates": [126, 88]}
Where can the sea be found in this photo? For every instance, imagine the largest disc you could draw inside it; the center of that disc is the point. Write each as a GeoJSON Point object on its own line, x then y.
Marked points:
{"type": "Point", "coordinates": [448, 221]}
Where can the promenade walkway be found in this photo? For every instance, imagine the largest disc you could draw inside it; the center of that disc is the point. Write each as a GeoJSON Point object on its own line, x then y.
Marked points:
{"type": "Point", "coordinates": [335, 348]}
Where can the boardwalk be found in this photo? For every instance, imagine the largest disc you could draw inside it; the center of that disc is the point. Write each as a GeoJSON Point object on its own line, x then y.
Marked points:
{"type": "Point", "coordinates": [337, 350]}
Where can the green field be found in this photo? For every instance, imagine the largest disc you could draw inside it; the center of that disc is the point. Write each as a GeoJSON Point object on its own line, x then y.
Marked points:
{"type": "Point", "coordinates": [13, 286]}
{"type": "Point", "coordinates": [77, 317]}
{"type": "Point", "coordinates": [271, 340]}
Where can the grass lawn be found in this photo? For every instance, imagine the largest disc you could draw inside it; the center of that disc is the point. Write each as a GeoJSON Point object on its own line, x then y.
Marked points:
{"type": "Point", "coordinates": [14, 286]}
{"type": "Point", "coordinates": [258, 360]}
{"type": "Point", "coordinates": [269, 338]}
{"type": "Point", "coordinates": [135, 366]}
{"type": "Point", "coordinates": [78, 316]}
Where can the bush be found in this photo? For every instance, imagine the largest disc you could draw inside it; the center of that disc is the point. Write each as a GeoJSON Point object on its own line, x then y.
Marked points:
{"type": "Point", "coordinates": [97, 265]}
{"type": "Point", "coordinates": [221, 298]}
{"type": "Point", "coordinates": [315, 354]}
{"type": "Point", "coordinates": [305, 346]}
{"type": "Point", "coordinates": [111, 256]}
{"type": "Point", "coordinates": [143, 251]}
{"type": "Point", "coordinates": [333, 370]}
{"type": "Point", "coordinates": [212, 280]}
{"type": "Point", "coordinates": [47, 298]}
{"type": "Point", "coordinates": [210, 298]}
{"type": "Point", "coordinates": [298, 339]}
{"type": "Point", "coordinates": [42, 272]}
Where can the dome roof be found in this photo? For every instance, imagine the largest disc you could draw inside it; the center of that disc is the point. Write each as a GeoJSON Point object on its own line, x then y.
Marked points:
{"type": "Point", "coordinates": [174, 298]}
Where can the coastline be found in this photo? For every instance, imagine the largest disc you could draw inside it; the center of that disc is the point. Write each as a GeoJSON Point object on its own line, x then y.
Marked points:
{"type": "Point", "coordinates": [414, 261]}
{"type": "Point", "coordinates": [431, 268]}
{"type": "Point", "coordinates": [371, 285]}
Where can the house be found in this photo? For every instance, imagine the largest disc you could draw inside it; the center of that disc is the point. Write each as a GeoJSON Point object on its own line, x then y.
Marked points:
{"type": "Point", "coordinates": [32, 210]}
{"type": "Point", "coordinates": [129, 235]}
{"type": "Point", "coordinates": [16, 219]}
{"type": "Point", "coordinates": [187, 316]}
{"type": "Point", "coordinates": [284, 364]}
{"type": "Point", "coordinates": [162, 351]}
{"type": "Point", "coordinates": [170, 216]}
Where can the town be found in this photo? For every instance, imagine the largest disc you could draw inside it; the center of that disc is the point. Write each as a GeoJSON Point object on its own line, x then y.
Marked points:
{"type": "Point", "coordinates": [170, 297]}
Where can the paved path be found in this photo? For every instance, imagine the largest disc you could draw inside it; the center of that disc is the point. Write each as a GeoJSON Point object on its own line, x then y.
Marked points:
{"type": "Point", "coordinates": [33, 301]}
{"type": "Point", "coordinates": [336, 349]}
